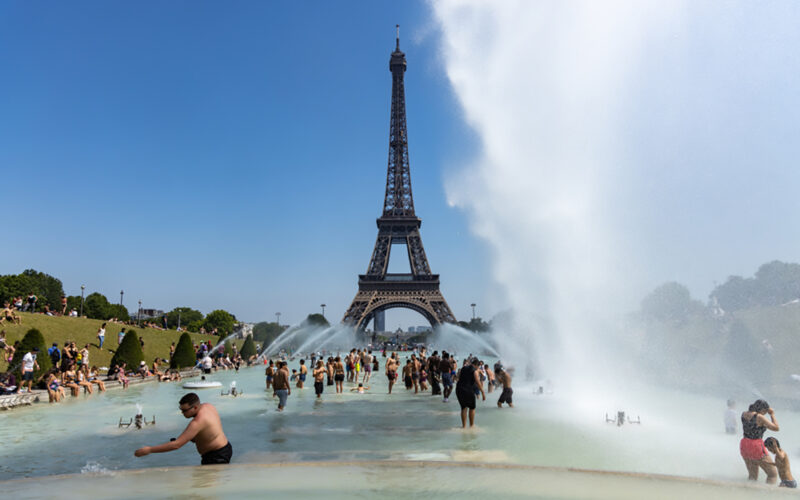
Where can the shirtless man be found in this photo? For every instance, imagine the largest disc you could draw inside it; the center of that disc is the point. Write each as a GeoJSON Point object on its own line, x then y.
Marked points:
{"type": "Point", "coordinates": [407, 374]}
{"type": "Point", "coordinates": [505, 378]}
{"type": "Point", "coordinates": [205, 431]}
{"type": "Point", "coordinates": [281, 386]}
{"type": "Point", "coordinates": [781, 462]}
{"type": "Point", "coordinates": [319, 377]}
{"type": "Point", "coordinates": [270, 372]}
{"type": "Point", "coordinates": [415, 372]}
{"type": "Point", "coordinates": [391, 370]}
{"type": "Point", "coordinates": [9, 315]}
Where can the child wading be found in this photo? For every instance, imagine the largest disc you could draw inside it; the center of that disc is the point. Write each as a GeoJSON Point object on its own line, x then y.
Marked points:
{"type": "Point", "coordinates": [781, 462]}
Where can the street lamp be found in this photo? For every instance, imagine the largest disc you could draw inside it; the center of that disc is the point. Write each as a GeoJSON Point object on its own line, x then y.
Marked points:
{"type": "Point", "coordinates": [323, 309]}
{"type": "Point", "coordinates": [121, 293]}
{"type": "Point", "coordinates": [139, 314]}
{"type": "Point", "coordinates": [473, 310]}
{"type": "Point", "coordinates": [278, 316]}
{"type": "Point", "coordinates": [83, 287]}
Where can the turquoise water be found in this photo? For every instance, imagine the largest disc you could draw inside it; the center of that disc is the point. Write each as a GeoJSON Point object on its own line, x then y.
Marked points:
{"type": "Point", "coordinates": [81, 436]}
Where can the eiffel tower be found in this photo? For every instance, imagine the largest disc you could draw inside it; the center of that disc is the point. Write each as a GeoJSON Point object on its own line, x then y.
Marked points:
{"type": "Point", "coordinates": [379, 290]}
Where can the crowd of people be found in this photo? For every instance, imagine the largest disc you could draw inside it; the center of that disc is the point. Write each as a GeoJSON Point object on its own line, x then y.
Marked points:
{"type": "Point", "coordinates": [437, 374]}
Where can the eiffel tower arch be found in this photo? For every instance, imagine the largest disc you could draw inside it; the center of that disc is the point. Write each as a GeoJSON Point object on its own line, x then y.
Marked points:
{"type": "Point", "coordinates": [379, 290]}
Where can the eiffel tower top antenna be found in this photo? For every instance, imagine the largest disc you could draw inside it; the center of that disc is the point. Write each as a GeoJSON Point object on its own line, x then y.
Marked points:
{"type": "Point", "coordinates": [398, 36]}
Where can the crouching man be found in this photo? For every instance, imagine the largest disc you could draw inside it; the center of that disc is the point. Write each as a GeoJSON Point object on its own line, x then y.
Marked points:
{"type": "Point", "coordinates": [205, 431]}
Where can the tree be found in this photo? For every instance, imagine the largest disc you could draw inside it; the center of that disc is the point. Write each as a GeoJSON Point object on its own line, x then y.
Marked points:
{"type": "Point", "coordinates": [187, 316]}
{"type": "Point", "coordinates": [670, 302]}
{"type": "Point", "coordinates": [33, 338]}
{"type": "Point", "coordinates": [266, 333]}
{"type": "Point", "coordinates": [97, 306]}
{"type": "Point", "coordinates": [223, 321]}
{"type": "Point", "coordinates": [118, 311]}
{"type": "Point", "coordinates": [227, 349]}
{"type": "Point", "coordinates": [316, 319]}
{"type": "Point", "coordinates": [129, 351]}
{"type": "Point", "coordinates": [475, 325]}
{"type": "Point", "coordinates": [248, 348]}
{"type": "Point", "coordinates": [46, 288]}
{"type": "Point", "coordinates": [184, 356]}
{"type": "Point", "coordinates": [775, 283]}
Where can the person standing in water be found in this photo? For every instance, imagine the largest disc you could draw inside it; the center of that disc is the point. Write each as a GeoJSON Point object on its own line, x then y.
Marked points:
{"type": "Point", "coordinates": [468, 381]}
{"type": "Point", "coordinates": [319, 377]}
{"type": "Point", "coordinates": [281, 386]}
{"type": "Point", "coordinates": [751, 447]}
{"type": "Point", "coordinates": [391, 370]}
{"type": "Point", "coordinates": [505, 378]}
{"type": "Point", "coordinates": [205, 431]}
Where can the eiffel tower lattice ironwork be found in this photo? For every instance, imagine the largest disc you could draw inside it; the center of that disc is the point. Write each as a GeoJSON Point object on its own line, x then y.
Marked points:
{"type": "Point", "coordinates": [379, 290]}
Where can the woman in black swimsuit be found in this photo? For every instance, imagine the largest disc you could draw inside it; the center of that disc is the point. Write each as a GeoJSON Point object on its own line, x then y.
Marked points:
{"type": "Point", "coordinates": [751, 447]}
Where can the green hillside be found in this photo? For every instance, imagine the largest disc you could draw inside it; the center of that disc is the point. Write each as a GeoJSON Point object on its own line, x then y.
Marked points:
{"type": "Point", "coordinates": [84, 331]}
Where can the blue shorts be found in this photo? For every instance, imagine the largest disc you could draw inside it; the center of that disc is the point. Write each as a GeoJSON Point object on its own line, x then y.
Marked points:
{"type": "Point", "coordinates": [302, 377]}
{"type": "Point", "coordinates": [447, 381]}
{"type": "Point", "coordinates": [283, 394]}
{"type": "Point", "coordinates": [27, 376]}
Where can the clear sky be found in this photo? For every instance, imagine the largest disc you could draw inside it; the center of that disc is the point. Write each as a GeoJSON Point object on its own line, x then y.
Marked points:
{"type": "Point", "coordinates": [233, 155]}
{"type": "Point", "coordinates": [222, 155]}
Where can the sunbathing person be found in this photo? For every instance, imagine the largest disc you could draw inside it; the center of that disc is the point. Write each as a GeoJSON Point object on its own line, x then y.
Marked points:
{"type": "Point", "coordinates": [54, 389]}
{"type": "Point", "coordinates": [69, 379]}
{"type": "Point", "coordinates": [93, 376]}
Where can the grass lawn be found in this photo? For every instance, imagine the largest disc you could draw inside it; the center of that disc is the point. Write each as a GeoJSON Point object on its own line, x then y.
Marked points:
{"type": "Point", "coordinates": [84, 331]}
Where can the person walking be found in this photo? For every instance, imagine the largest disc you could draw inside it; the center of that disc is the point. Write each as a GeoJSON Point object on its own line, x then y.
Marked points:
{"type": "Point", "coordinates": [468, 381]}
{"type": "Point", "coordinates": [28, 364]}
{"type": "Point", "coordinates": [281, 386]}
{"type": "Point", "coordinates": [101, 335]}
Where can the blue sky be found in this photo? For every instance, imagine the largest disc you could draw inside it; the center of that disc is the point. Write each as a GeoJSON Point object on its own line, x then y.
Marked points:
{"type": "Point", "coordinates": [222, 155]}
{"type": "Point", "coordinates": [233, 155]}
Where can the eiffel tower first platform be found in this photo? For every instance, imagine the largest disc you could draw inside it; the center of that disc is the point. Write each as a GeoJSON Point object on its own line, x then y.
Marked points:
{"type": "Point", "coordinates": [379, 290]}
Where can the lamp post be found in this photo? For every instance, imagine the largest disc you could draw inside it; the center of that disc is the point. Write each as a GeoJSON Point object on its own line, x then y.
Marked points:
{"type": "Point", "coordinates": [278, 318]}
{"type": "Point", "coordinates": [121, 293]}
{"type": "Point", "coordinates": [323, 309]}
{"type": "Point", "coordinates": [139, 314]}
{"type": "Point", "coordinates": [473, 310]}
{"type": "Point", "coordinates": [83, 287]}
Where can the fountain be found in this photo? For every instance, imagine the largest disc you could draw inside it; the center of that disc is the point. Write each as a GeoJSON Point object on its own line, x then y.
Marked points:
{"type": "Point", "coordinates": [139, 421]}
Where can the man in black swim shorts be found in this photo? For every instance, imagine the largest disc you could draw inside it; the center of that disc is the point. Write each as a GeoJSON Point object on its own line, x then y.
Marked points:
{"type": "Point", "coordinates": [205, 430]}
{"type": "Point", "coordinates": [468, 381]}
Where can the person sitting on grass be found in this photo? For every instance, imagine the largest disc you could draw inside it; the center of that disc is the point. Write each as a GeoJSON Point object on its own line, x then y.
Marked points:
{"type": "Point", "coordinates": [93, 376]}
{"type": "Point", "coordinates": [781, 462]}
{"type": "Point", "coordinates": [9, 315]}
{"type": "Point", "coordinates": [8, 351]}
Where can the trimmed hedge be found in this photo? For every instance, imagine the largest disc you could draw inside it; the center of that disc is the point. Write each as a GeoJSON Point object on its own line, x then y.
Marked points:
{"type": "Point", "coordinates": [129, 351]}
{"type": "Point", "coordinates": [33, 338]}
{"type": "Point", "coordinates": [248, 348]}
{"type": "Point", "coordinates": [184, 356]}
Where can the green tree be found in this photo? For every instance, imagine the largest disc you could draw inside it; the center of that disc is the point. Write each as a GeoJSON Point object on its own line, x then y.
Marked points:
{"type": "Point", "coordinates": [316, 319]}
{"type": "Point", "coordinates": [194, 326]}
{"type": "Point", "coordinates": [96, 306]}
{"type": "Point", "coordinates": [223, 321]}
{"type": "Point", "coordinates": [33, 338]}
{"type": "Point", "coordinates": [266, 333]}
{"type": "Point", "coordinates": [47, 289]}
{"type": "Point", "coordinates": [475, 325]}
{"type": "Point", "coordinates": [184, 356]}
{"type": "Point", "coordinates": [248, 348]}
{"type": "Point", "coordinates": [129, 351]}
{"type": "Point", "coordinates": [670, 303]}
{"type": "Point", "coordinates": [119, 312]}
{"type": "Point", "coordinates": [187, 316]}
